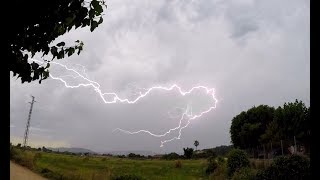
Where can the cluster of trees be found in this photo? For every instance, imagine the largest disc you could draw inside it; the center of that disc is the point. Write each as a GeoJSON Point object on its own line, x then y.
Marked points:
{"type": "Point", "coordinates": [222, 150]}
{"type": "Point", "coordinates": [19, 146]}
{"type": "Point", "coordinates": [171, 156]}
{"type": "Point", "coordinates": [264, 125]}
{"type": "Point", "coordinates": [36, 25]}
{"type": "Point", "coordinates": [135, 156]}
{"type": "Point", "coordinates": [190, 153]}
{"type": "Point", "coordinates": [238, 166]}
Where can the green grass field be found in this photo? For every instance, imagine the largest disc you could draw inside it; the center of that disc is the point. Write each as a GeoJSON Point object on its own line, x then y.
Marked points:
{"type": "Point", "coordinates": [62, 166]}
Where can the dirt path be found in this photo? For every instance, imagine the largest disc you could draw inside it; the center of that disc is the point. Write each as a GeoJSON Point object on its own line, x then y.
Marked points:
{"type": "Point", "coordinates": [18, 172]}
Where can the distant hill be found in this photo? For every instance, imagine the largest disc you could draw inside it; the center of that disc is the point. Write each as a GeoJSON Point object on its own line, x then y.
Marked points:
{"type": "Point", "coordinates": [144, 153]}
{"type": "Point", "coordinates": [72, 150]}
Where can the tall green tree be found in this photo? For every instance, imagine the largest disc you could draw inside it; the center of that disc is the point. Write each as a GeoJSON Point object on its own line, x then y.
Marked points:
{"type": "Point", "coordinates": [248, 127]}
{"type": "Point", "coordinates": [293, 120]}
{"type": "Point", "coordinates": [37, 24]}
{"type": "Point", "coordinates": [273, 134]}
{"type": "Point", "coordinates": [264, 125]}
{"type": "Point", "coordinates": [236, 126]}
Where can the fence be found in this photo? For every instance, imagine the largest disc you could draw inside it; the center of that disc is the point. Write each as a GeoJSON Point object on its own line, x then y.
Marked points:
{"type": "Point", "coordinates": [282, 147]}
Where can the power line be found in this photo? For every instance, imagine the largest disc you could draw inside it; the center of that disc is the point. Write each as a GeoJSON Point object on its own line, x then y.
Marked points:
{"type": "Point", "coordinates": [28, 123]}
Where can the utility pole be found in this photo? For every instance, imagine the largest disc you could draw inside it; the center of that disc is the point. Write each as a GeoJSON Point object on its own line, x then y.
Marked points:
{"type": "Point", "coordinates": [28, 124]}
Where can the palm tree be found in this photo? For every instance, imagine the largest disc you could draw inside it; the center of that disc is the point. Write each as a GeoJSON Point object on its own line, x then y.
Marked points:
{"type": "Point", "coordinates": [196, 143]}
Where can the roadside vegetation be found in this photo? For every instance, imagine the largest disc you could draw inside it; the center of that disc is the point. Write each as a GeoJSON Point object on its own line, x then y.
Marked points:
{"type": "Point", "coordinates": [240, 161]}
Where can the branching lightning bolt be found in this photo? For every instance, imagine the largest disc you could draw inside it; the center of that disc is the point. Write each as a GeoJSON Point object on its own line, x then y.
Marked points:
{"type": "Point", "coordinates": [187, 114]}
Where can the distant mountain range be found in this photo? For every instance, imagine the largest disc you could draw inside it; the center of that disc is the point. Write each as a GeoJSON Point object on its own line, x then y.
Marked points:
{"type": "Point", "coordinates": [219, 150]}
{"type": "Point", "coordinates": [72, 150]}
{"type": "Point", "coordinates": [144, 153]}
{"type": "Point", "coordinates": [83, 150]}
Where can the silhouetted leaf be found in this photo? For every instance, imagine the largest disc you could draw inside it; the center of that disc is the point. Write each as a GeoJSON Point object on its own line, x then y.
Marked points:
{"type": "Point", "coordinates": [91, 13]}
{"type": "Point", "coordinates": [94, 24]}
{"type": "Point", "coordinates": [61, 44]}
{"type": "Point", "coordinates": [101, 20]}
{"type": "Point", "coordinates": [79, 49]}
{"type": "Point", "coordinates": [70, 51]}
{"type": "Point", "coordinates": [54, 18]}
{"type": "Point", "coordinates": [61, 54]}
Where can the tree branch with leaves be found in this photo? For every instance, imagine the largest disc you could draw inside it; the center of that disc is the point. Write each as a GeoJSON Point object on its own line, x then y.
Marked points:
{"type": "Point", "coordinates": [36, 25]}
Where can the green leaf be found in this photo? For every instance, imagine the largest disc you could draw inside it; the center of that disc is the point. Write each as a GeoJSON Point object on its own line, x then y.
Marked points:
{"type": "Point", "coordinates": [95, 3]}
{"type": "Point", "coordinates": [61, 44]}
{"type": "Point", "coordinates": [54, 51]}
{"type": "Point", "coordinates": [70, 27]}
{"type": "Point", "coordinates": [70, 51]}
{"type": "Point", "coordinates": [77, 24]}
{"type": "Point", "coordinates": [94, 24]}
{"type": "Point", "coordinates": [45, 50]}
{"type": "Point", "coordinates": [45, 74]}
{"type": "Point", "coordinates": [26, 57]}
{"type": "Point", "coordinates": [97, 7]}
{"type": "Point", "coordinates": [70, 19]}
{"type": "Point", "coordinates": [34, 65]}
{"type": "Point", "coordinates": [99, 10]}
{"type": "Point", "coordinates": [61, 54]}
{"type": "Point", "coordinates": [32, 53]}
{"type": "Point", "coordinates": [91, 13]}
{"type": "Point", "coordinates": [79, 50]}
{"type": "Point", "coordinates": [86, 22]}
{"type": "Point", "coordinates": [101, 20]}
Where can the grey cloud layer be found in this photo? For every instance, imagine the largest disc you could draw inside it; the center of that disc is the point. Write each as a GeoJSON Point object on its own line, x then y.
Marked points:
{"type": "Point", "coordinates": [251, 52]}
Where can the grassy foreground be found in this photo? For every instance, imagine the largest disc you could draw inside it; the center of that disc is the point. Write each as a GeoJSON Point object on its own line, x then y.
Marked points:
{"type": "Point", "coordinates": [62, 166]}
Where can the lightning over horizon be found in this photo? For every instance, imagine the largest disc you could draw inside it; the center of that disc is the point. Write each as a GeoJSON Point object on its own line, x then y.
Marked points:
{"type": "Point", "coordinates": [187, 114]}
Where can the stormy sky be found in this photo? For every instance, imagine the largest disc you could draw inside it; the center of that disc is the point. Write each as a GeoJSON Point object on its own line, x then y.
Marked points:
{"type": "Point", "coordinates": [250, 52]}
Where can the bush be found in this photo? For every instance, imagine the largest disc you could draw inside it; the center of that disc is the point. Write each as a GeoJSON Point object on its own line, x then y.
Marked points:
{"type": "Point", "coordinates": [237, 159]}
{"type": "Point", "coordinates": [13, 152]}
{"type": "Point", "coordinates": [135, 156]}
{"type": "Point", "coordinates": [220, 173]}
{"type": "Point", "coordinates": [86, 159]}
{"type": "Point", "coordinates": [171, 156]}
{"type": "Point", "coordinates": [127, 177]}
{"type": "Point", "coordinates": [259, 164]}
{"type": "Point", "coordinates": [188, 152]}
{"type": "Point", "coordinates": [204, 154]}
{"type": "Point", "coordinates": [45, 172]}
{"type": "Point", "coordinates": [212, 166]}
{"type": "Point", "coordinates": [36, 157]}
{"type": "Point", "coordinates": [292, 167]}
{"type": "Point", "coordinates": [178, 164]}
{"type": "Point", "coordinates": [244, 173]}
{"type": "Point", "coordinates": [221, 160]}
{"type": "Point", "coordinates": [24, 158]}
